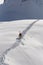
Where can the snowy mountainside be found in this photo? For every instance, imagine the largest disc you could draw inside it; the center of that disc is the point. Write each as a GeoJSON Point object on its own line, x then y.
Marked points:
{"type": "Point", "coordinates": [18, 10]}
{"type": "Point", "coordinates": [14, 53]}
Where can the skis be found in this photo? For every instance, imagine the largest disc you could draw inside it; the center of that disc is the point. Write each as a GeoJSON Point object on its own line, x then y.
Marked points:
{"type": "Point", "coordinates": [19, 39]}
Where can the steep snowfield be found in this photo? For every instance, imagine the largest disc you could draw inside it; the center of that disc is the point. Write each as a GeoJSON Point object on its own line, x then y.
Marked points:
{"type": "Point", "coordinates": [12, 50]}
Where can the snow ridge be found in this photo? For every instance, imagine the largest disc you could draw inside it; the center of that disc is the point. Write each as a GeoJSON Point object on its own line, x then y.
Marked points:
{"type": "Point", "coordinates": [2, 57]}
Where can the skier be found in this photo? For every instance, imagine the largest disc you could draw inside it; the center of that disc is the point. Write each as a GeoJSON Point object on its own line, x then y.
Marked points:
{"type": "Point", "coordinates": [20, 35]}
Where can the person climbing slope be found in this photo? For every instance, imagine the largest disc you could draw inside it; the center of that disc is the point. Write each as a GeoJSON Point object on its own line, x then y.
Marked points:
{"type": "Point", "coordinates": [20, 35]}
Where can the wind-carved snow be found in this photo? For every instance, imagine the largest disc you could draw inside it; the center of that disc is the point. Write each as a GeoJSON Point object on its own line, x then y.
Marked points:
{"type": "Point", "coordinates": [16, 44]}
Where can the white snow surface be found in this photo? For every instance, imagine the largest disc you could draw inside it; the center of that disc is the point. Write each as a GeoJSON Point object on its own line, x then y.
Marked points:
{"type": "Point", "coordinates": [12, 50]}
{"type": "Point", "coordinates": [1, 2]}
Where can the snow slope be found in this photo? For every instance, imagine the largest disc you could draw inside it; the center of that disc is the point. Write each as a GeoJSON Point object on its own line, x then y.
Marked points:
{"type": "Point", "coordinates": [12, 51]}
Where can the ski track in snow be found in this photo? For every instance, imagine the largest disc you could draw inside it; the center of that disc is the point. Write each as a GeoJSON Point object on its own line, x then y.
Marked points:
{"type": "Point", "coordinates": [2, 57]}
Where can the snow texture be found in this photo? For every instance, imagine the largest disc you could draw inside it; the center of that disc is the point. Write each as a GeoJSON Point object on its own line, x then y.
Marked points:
{"type": "Point", "coordinates": [15, 53]}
